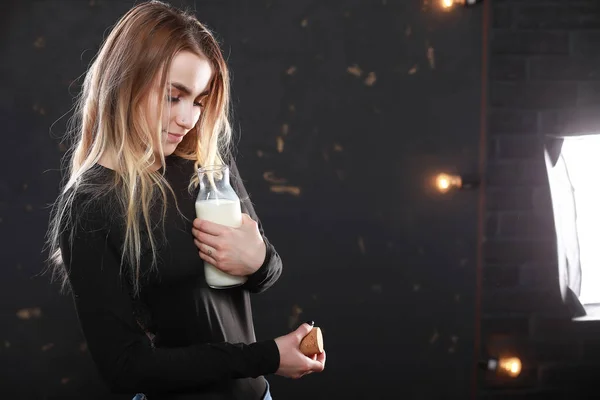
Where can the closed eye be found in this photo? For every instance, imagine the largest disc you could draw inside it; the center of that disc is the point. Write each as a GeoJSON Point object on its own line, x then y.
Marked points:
{"type": "Point", "coordinates": [171, 99]}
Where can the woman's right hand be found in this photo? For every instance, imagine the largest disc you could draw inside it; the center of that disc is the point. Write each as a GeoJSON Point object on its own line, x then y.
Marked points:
{"type": "Point", "coordinates": [292, 363]}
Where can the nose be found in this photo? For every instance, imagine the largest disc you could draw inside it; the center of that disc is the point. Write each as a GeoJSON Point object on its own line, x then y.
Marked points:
{"type": "Point", "coordinates": [185, 117]}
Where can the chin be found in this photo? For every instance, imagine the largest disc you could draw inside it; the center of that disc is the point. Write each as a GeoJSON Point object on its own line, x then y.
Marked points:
{"type": "Point", "coordinates": [169, 148]}
{"type": "Point", "coordinates": [169, 151]}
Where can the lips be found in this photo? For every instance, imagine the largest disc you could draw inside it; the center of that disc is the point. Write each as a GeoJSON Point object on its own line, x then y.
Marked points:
{"type": "Point", "coordinates": [175, 137]}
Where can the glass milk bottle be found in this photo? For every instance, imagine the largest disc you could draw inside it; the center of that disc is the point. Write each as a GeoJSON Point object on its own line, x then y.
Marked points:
{"type": "Point", "coordinates": [218, 202]}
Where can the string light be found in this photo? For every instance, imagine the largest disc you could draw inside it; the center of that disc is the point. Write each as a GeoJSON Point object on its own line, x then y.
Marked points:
{"type": "Point", "coordinates": [510, 366]}
{"type": "Point", "coordinates": [447, 3]}
{"type": "Point", "coordinates": [504, 366]}
{"type": "Point", "coordinates": [445, 182]}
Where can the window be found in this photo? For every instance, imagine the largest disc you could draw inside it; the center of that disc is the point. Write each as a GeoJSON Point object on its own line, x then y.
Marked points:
{"type": "Point", "coordinates": [574, 176]}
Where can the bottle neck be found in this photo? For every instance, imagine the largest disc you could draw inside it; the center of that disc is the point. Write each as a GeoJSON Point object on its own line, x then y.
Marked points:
{"type": "Point", "coordinates": [214, 177]}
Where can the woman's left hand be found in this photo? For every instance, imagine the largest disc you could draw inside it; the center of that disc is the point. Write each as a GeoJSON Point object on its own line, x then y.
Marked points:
{"type": "Point", "coordinates": [236, 251]}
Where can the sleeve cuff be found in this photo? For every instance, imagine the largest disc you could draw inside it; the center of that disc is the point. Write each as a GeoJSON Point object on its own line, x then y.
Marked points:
{"type": "Point", "coordinates": [269, 362]}
{"type": "Point", "coordinates": [261, 273]}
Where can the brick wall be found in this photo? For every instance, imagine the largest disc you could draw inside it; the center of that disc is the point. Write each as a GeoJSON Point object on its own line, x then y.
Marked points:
{"type": "Point", "coordinates": [544, 78]}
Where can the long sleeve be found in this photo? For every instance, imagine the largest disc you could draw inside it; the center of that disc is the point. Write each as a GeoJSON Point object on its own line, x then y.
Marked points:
{"type": "Point", "coordinates": [270, 271]}
{"type": "Point", "coordinates": [123, 354]}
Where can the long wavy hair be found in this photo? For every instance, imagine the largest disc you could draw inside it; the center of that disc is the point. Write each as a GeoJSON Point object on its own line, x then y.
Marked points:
{"type": "Point", "coordinates": [111, 117]}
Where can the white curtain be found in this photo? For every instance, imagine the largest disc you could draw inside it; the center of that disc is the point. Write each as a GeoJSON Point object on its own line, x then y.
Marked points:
{"type": "Point", "coordinates": [565, 219]}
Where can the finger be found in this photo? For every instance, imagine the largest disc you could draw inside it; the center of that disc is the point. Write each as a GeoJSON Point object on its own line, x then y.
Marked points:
{"type": "Point", "coordinates": [314, 357]}
{"type": "Point", "coordinates": [303, 330]}
{"type": "Point", "coordinates": [206, 249]}
{"type": "Point", "coordinates": [209, 227]}
{"type": "Point", "coordinates": [316, 366]}
{"type": "Point", "coordinates": [208, 259]}
{"type": "Point", "coordinates": [321, 357]}
{"type": "Point", "coordinates": [247, 219]}
{"type": "Point", "coordinates": [212, 241]}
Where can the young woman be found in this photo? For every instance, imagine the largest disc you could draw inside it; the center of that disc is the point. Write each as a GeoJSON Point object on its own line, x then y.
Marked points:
{"type": "Point", "coordinates": [123, 234]}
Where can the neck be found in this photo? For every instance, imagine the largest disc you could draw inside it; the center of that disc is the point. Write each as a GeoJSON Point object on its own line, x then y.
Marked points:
{"type": "Point", "coordinates": [157, 165]}
{"type": "Point", "coordinates": [108, 161]}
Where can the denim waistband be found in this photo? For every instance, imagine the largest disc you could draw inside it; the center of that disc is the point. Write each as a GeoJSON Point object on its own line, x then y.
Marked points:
{"type": "Point", "coordinates": [266, 396]}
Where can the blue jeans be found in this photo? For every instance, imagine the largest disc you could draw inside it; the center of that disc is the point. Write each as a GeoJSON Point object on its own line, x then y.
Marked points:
{"type": "Point", "coordinates": [267, 396]}
{"type": "Point", "coordinates": [267, 392]}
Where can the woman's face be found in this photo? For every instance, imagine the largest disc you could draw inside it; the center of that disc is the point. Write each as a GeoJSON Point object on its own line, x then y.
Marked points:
{"type": "Point", "coordinates": [187, 87]}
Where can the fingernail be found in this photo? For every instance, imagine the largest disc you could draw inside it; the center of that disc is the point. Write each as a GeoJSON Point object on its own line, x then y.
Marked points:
{"type": "Point", "coordinates": [311, 323]}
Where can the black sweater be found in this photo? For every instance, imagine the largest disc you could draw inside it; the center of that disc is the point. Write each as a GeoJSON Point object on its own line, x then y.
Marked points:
{"type": "Point", "coordinates": [179, 339]}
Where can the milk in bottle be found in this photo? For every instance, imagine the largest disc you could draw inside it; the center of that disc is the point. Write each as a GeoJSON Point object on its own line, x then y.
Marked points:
{"type": "Point", "coordinates": [217, 202]}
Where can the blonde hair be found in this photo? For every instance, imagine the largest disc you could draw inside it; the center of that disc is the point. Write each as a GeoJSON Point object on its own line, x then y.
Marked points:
{"type": "Point", "coordinates": [111, 118]}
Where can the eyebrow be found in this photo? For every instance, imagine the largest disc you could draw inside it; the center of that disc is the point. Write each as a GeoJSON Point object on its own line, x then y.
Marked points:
{"type": "Point", "coordinates": [186, 90]}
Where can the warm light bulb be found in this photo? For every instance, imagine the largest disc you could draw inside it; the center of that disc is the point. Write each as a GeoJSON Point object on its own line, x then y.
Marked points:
{"type": "Point", "coordinates": [447, 3]}
{"type": "Point", "coordinates": [510, 366]}
{"type": "Point", "coordinates": [445, 182]}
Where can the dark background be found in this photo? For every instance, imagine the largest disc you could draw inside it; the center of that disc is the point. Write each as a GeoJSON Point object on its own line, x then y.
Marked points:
{"type": "Point", "coordinates": [357, 104]}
